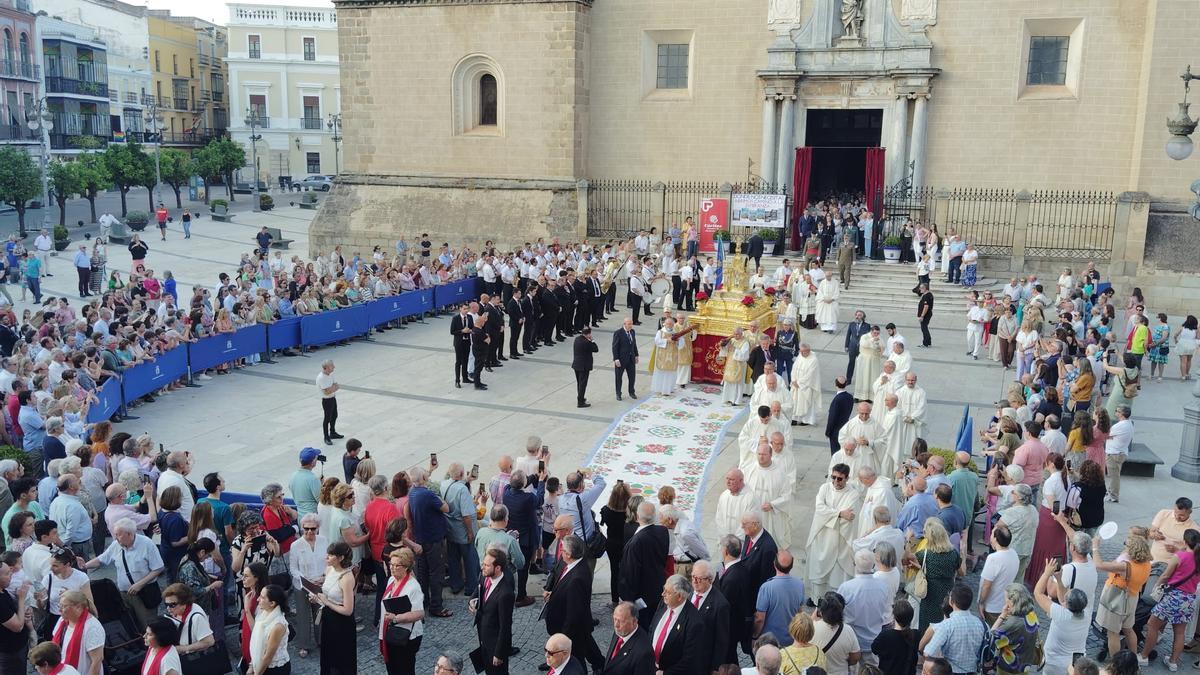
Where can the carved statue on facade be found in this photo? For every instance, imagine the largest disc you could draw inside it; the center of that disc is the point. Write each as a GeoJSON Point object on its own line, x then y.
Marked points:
{"type": "Point", "coordinates": [783, 13]}
{"type": "Point", "coordinates": [852, 18]}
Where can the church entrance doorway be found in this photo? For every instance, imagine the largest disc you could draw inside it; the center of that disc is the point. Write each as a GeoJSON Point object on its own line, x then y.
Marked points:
{"type": "Point", "coordinates": [839, 140]}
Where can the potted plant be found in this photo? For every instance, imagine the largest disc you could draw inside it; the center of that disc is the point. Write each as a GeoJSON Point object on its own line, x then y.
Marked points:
{"type": "Point", "coordinates": [137, 220]}
{"type": "Point", "coordinates": [62, 238]}
{"type": "Point", "coordinates": [721, 237]}
{"type": "Point", "coordinates": [213, 204]}
{"type": "Point", "coordinates": [891, 250]}
{"type": "Point", "coordinates": [769, 236]}
{"type": "Point", "coordinates": [265, 201]}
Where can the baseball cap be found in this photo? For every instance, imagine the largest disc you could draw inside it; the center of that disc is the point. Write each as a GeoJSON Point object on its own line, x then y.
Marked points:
{"type": "Point", "coordinates": [309, 455]}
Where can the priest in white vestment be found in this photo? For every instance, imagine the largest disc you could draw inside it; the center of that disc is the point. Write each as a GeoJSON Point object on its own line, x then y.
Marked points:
{"type": "Point", "coordinates": [781, 452]}
{"type": "Point", "coordinates": [768, 481]}
{"type": "Point", "coordinates": [910, 400]}
{"type": "Point", "coordinates": [782, 420]}
{"type": "Point", "coordinates": [733, 503]}
{"type": "Point", "coordinates": [886, 383]}
{"type": "Point", "coordinates": [736, 352]}
{"type": "Point", "coordinates": [663, 359]}
{"type": "Point", "coordinates": [854, 457]}
{"type": "Point", "coordinates": [902, 358]}
{"type": "Point", "coordinates": [770, 389]}
{"type": "Point", "coordinates": [882, 530]}
{"type": "Point", "coordinates": [875, 493]}
{"type": "Point", "coordinates": [828, 546]}
{"type": "Point", "coordinates": [891, 457]}
{"type": "Point", "coordinates": [867, 365]}
{"type": "Point", "coordinates": [806, 387]}
{"type": "Point", "coordinates": [865, 431]}
{"type": "Point", "coordinates": [827, 304]}
{"type": "Point", "coordinates": [760, 425]}
{"type": "Point", "coordinates": [683, 355]}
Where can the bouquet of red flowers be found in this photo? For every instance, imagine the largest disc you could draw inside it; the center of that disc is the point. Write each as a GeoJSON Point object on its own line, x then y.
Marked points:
{"type": "Point", "coordinates": [701, 296]}
{"type": "Point", "coordinates": [770, 290]}
{"type": "Point", "coordinates": [748, 301]}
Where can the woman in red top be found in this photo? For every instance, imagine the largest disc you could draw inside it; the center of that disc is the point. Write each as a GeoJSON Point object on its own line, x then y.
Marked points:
{"type": "Point", "coordinates": [254, 578]}
{"type": "Point", "coordinates": [380, 512]}
{"type": "Point", "coordinates": [279, 520]}
{"type": "Point", "coordinates": [401, 659]}
{"type": "Point", "coordinates": [1095, 449]}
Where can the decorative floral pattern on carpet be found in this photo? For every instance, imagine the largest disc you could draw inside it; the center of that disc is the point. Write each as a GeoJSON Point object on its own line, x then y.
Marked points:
{"type": "Point", "coordinates": [666, 441]}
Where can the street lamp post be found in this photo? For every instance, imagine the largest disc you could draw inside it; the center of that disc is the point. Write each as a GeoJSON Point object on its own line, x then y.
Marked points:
{"type": "Point", "coordinates": [252, 122]}
{"type": "Point", "coordinates": [335, 125]}
{"type": "Point", "coordinates": [1179, 147]}
{"type": "Point", "coordinates": [154, 118]}
{"type": "Point", "coordinates": [40, 120]}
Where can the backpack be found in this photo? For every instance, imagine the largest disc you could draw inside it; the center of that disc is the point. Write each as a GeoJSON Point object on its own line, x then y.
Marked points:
{"type": "Point", "coordinates": [1130, 387]}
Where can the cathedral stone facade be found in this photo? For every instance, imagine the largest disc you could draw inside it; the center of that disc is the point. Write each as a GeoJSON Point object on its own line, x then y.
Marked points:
{"type": "Point", "coordinates": [487, 119]}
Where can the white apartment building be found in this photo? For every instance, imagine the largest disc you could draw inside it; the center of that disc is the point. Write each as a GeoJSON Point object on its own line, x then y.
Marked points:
{"type": "Point", "coordinates": [283, 72]}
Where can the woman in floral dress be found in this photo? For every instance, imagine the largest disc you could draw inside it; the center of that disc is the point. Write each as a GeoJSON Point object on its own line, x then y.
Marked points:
{"type": "Point", "coordinates": [1015, 632]}
{"type": "Point", "coordinates": [1159, 347]}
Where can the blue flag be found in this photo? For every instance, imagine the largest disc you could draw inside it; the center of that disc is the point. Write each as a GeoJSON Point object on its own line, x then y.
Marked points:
{"type": "Point", "coordinates": [966, 430]}
{"type": "Point", "coordinates": [720, 263]}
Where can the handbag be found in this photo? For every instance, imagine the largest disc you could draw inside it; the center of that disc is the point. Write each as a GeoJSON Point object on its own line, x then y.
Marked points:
{"type": "Point", "coordinates": [150, 595]}
{"type": "Point", "coordinates": [211, 661]}
{"type": "Point", "coordinates": [918, 586]}
{"type": "Point", "coordinates": [278, 573]}
{"type": "Point", "coordinates": [1157, 593]}
{"type": "Point", "coordinates": [1115, 599]}
{"type": "Point", "coordinates": [597, 543]}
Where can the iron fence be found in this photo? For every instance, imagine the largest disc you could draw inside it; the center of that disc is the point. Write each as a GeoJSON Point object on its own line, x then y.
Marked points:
{"type": "Point", "coordinates": [984, 217]}
{"type": "Point", "coordinates": [905, 201]}
{"type": "Point", "coordinates": [681, 200]}
{"type": "Point", "coordinates": [1071, 225]}
{"type": "Point", "coordinates": [617, 209]}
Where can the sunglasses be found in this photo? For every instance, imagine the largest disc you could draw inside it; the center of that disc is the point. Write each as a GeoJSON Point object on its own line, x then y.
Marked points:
{"type": "Point", "coordinates": [838, 479]}
{"type": "Point", "coordinates": [311, 529]}
{"type": "Point", "coordinates": [171, 604]}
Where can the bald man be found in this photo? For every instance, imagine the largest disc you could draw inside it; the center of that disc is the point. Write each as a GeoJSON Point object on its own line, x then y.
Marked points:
{"type": "Point", "coordinates": [732, 503]}
{"type": "Point", "coordinates": [558, 656]}
{"type": "Point", "coordinates": [965, 484]}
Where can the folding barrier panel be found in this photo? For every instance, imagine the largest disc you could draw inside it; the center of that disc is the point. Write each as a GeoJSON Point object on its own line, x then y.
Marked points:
{"type": "Point", "coordinates": [284, 333]}
{"type": "Point", "coordinates": [109, 395]}
{"type": "Point", "coordinates": [147, 377]}
{"type": "Point", "coordinates": [225, 347]}
{"type": "Point", "coordinates": [340, 324]}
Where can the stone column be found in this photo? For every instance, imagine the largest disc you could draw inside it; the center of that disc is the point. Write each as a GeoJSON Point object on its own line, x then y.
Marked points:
{"type": "Point", "coordinates": [918, 139]}
{"type": "Point", "coordinates": [898, 154]}
{"type": "Point", "coordinates": [1188, 466]}
{"type": "Point", "coordinates": [800, 128]}
{"type": "Point", "coordinates": [766, 164]}
{"type": "Point", "coordinates": [785, 153]}
{"type": "Point", "coordinates": [581, 208]}
{"type": "Point", "coordinates": [1016, 261]}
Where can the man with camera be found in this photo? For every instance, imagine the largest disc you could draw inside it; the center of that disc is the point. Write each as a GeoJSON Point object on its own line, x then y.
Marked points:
{"type": "Point", "coordinates": [304, 485]}
{"type": "Point", "coordinates": [354, 455]}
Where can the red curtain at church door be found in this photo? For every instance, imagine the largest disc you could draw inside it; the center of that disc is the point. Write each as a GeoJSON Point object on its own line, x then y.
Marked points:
{"type": "Point", "coordinates": [800, 181]}
{"type": "Point", "coordinates": [873, 185]}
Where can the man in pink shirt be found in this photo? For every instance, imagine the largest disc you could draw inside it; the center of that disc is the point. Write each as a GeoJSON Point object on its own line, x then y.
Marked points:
{"type": "Point", "coordinates": [1031, 457]}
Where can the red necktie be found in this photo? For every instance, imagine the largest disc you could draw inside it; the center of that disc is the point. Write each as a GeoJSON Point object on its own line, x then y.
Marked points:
{"type": "Point", "coordinates": [662, 635]}
{"type": "Point", "coordinates": [696, 602]}
{"type": "Point", "coordinates": [552, 671]}
{"type": "Point", "coordinates": [749, 543]}
{"type": "Point", "coordinates": [487, 587]}
{"type": "Point", "coordinates": [617, 648]}
{"type": "Point", "coordinates": [563, 573]}
{"type": "Point", "coordinates": [558, 551]}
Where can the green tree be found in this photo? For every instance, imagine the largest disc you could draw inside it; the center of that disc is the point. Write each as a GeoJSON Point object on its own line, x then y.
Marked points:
{"type": "Point", "coordinates": [20, 181]}
{"type": "Point", "coordinates": [176, 168]}
{"type": "Point", "coordinates": [65, 183]}
{"type": "Point", "coordinates": [229, 157]}
{"type": "Point", "coordinates": [94, 174]}
{"type": "Point", "coordinates": [206, 164]}
{"type": "Point", "coordinates": [128, 167]}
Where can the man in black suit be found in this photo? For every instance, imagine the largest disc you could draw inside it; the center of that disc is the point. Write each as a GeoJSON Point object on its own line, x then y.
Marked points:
{"type": "Point", "coordinates": [532, 308]}
{"type": "Point", "coordinates": [630, 652]}
{"type": "Point", "coordinates": [566, 306]}
{"type": "Point", "coordinates": [761, 355]}
{"type": "Point", "coordinates": [493, 610]}
{"type": "Point", "coordinates": [734, 584]}
{"type": "Point", "coordinates": [598, 298]}
{"type": "Point", "coordinates": [583, 311]}
{"type": "Point", "coordinates": [677, 631]}
{"type": "Point", "coordinates": [758, 551]}
{"type": "Point", "coordinates": [480, 349]}
{"type": "Point", "coordinates": [754, 250]}
{"type": "Point", "coordinates": [841, 408]}
{"type": "Point", "coordinates": [516, 321]}
{"type": "Point", "coordinates": [559, 660]}
{"type": "Point", "coordinates": [643, 564]}
{"type": "Point", "coordinates": [550, 302]}
{"type": "Point", "coordinates": [625, 355]}
{"type": "Point", "coordinates": [460, 328]}
{"type": "Point", "coordinates": [568, 606]}
{"type": "Point", "coordinates": [581, 363]}
{"type": "Point", "coordinates": [495, 331]}
{"type": "Point", "coordinates": [714, 609]}
{"type": "Point", "coordinates": [854, 332]}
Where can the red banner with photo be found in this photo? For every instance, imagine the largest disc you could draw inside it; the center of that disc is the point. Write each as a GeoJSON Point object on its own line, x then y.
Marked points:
{"type": "Point", "coordinates": [714, 215]}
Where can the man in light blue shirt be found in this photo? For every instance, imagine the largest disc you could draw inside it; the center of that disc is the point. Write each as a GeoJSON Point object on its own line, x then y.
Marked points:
{"type": "Point", "coordinates": [137, 561]}
{"type": "Point", "coordinates": [83, 269]}
{"type": "Point", "coordinates": [74, 524]}
{"type": "Point", "coordinates": [577, 503]}
{"type": "Point", "coordinates": [960, 637]}
{"type": "Point", "coordinates": [32, 424]}
{"type": "Point", "coordinates": [305, 486]}
{"type": "Point", "coordinates": [867, 601]}
{"type": "Point", "coordinates": [920, 505]}
{"type": "Point", "coordinates": [779, 598]}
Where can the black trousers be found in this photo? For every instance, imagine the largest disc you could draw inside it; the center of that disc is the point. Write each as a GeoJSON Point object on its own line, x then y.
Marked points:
{"type": "Point", "coordinates": [833, 444]}
{"type": "Point", "coordinates": [631, 369]}
{"type": "Point", "coordinates": [495, 347]}
{"type": "Point", "coordinates": [85, 280]}
{"type": "Point", "coordinates": [597, 309]}
{"type": "Point", "coordinates": [850, 365]}
{"type": "Point", "coordinates": [480, 361]}
{"type": "Point", "coordinates": [637, 308]}
{"type": "Point", "coordinates": [403, 660]}
{"type": "Point", "coordinates": [530, 335]}
{"type": "Point", "coordinates": [462, 354]}
{"type": "Point", "coordinates": [546, 326]}
{"type": "Point", "coordinates": [688, 296]}
{"type": "Point", "coordinates": [329, 419]}
{"type": "Point", "coordinates": [506, 291]}
{"type": "Point", "coordinates": [565, 316]}
{"type": "Point", "coordinates": [431, 568]}
{"type": "Point", "coordinates": [583, 314]}
{"type": "Point", "coordinates": [676, 291]}
{"type": "Point", "coordinates": [581, 380]}
{"type": "Point", "coordinates": [610, 298]}
{"type": "Point", "coordinates": [925, 338]}
{"type": "Point", "coordinates": [514, 338]}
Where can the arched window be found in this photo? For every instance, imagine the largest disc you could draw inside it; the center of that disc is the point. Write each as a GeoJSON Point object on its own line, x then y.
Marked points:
{"type": "Point", "coordinates": [478, 87]}
{"type": "Point", "coordinates": [25, 48]}
{"type": "Point", "coordinates": [487, 100]}
{"type": "Point", "coordinates": [8, 47]}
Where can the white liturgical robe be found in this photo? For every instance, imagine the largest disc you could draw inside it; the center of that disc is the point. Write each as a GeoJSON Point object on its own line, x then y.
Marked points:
{"type": "Point", "coordinates": [753, 431]}
{"type": "Point", "coordinates": [867, 366]}
{"type": "Point", "coordinates": [870, 429]}
{"type": "Point", "coordinates": [827, 304]}
{"type": "Point", "coordinates": [892, 455]}
{"type": "Point", "coordinates": [764, 396]}
{"type": "Point", "coordinates": [733, 381]}
{"type": "Point", "coordinates": [884, 384]}
{"type": "Point", "coordinates": [830, 560]}
{"type": "Point", "coordinates": [903, 363]}
{"type": "Point", "coordinates": [879, 494]}
{"type": "Point", "coordinates": [731, 508]}
{"type": "Point", "coordinates": [861, 457]}
{"type": "Point", "coordinates": [771, 484]}
{"type": "Point", "coordinates": [910, 401]}
{"type": "Point", "coordinates": [806, 389]}
{"type": "Point", "coordinates": [888, 533]}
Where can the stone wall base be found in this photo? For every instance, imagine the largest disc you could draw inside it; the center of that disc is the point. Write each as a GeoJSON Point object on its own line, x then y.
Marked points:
{"type": "Point", "coordinates": [363, 212]}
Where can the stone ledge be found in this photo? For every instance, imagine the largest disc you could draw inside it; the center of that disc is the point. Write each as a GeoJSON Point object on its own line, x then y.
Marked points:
{"type": "Point", "coordinates": [458, 182]}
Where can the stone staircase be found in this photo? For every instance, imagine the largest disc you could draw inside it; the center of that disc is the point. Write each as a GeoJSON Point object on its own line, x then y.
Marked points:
{"type": "Point", "coordinates": [884, 292]}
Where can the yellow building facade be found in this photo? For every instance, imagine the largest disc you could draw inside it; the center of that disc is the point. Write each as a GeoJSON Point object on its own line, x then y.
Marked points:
{"type": "Point", "coordinates": [175, 81]}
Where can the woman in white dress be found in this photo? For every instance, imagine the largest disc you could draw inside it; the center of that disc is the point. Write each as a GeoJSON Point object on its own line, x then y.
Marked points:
{"type": "Point", "coordinates": [951, 237]}
{"type": "Point", "coordinates": [1066, 283]}
{"type": "Point", "coordinates": [1185, 346]}
{"type": "Point", "coordinates": [269, 637]}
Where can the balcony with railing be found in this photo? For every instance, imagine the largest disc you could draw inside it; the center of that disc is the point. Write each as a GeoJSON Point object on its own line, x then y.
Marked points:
{"type": "Point", "coordinates": [203, 59]}
{"type": "Point", "coordinates": [114, 95]}
{"type": "Point", "coordinates": [66, 85]}
{"type": "Point", "coordinates": [262, 122]}
{"type": "Point", "coordinates": [131, 98]}
{"type": "Point", "coordinates": [311, 123]}
{"type": "Point", "coordinates": [22, 69]}
{"type": "Point", "coordinates": [182, 104]}
{"type": "Point", "coordinates": [17, 133]}
{"type": "Point", "coordinates": [199, 136]}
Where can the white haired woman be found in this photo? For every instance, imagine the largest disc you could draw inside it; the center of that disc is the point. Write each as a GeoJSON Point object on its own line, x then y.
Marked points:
{"type": "Point", "coordinates": [306, 562]}
{"type": "Point", "coordinates": [80, 634]}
